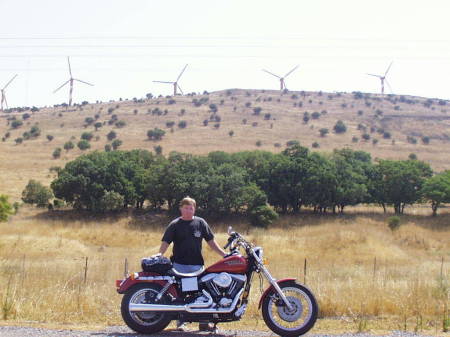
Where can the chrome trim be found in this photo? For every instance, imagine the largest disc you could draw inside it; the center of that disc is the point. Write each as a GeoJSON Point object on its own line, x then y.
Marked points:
{"type": "Point", "coordinates": [194, 274]}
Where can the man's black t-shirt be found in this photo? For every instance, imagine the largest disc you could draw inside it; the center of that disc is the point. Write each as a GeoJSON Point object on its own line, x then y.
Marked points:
{"type": "Point", "coordinates": [187, 236]}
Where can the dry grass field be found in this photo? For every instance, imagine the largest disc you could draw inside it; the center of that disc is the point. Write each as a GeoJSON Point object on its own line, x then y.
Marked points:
{"type": "Point", "coordinates": [364, 276]}
{"type": "Point", "coordinates": [33, 158]}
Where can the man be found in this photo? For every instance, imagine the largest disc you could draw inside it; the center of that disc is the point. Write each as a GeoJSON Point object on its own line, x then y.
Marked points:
{"type": "Point", "coordinates": [187, 233]}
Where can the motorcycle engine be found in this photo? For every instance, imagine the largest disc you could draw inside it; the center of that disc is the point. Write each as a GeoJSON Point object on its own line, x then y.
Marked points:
{"type": "Point", "coordinates": [223, 287]}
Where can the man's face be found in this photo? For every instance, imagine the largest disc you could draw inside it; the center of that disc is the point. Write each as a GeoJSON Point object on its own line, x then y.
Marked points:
{"type": "Point", "coordinates": [187, 211]}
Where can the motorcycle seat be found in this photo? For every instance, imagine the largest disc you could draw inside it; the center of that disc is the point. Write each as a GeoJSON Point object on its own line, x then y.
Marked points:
{"type": "Point", "coordinates": [174, 272]}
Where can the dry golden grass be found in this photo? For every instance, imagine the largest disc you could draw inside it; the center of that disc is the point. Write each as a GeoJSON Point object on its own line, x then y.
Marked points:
{"type": "Point", "coordinates": [43, 256]}
{"type": "Point", "coordinates": [33, 158]}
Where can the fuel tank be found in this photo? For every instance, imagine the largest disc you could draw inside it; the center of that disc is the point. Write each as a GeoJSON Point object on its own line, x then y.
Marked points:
{"type": "Point", "coordinates": [232, 264]}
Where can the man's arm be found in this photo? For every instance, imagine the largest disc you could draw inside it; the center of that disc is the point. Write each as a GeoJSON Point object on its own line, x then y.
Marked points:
{"type": "Point", "coordinates": [163, 248]}
{"type": "Point", "coordinates": [215, 247]}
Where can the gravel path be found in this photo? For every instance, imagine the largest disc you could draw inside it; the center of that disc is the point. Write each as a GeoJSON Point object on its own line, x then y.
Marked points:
{"type": "Point", "coordinates": [121, 331]}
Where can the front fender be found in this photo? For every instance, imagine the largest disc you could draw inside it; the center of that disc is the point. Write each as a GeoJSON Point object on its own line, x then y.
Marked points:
{"type": "Point", "coordinates": [266, 292]}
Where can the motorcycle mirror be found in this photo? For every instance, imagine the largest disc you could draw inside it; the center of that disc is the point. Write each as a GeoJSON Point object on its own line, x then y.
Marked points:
{"type": "Point", "coordinates": [230, 230]}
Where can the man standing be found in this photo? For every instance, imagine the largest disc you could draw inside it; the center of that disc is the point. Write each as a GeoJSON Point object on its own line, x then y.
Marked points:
{"type": "Point", "coordinates": [187, 232]}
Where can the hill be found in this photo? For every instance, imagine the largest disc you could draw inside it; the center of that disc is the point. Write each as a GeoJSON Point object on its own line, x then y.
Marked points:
{"type": "Point", "coordinates": [389, 126]}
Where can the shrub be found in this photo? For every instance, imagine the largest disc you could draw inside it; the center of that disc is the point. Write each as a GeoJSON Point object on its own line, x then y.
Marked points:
{"type": "Point", "coordinates": [365, 136]}
{"type": "Point", "coordinates": [412, 156]}
{"type": "Point", "coordinates": [315, 145]}
{"type": "Point", "coordinates": [262, 216]}
{"type": "Point", "coordinates": [393, 223]}
{"type": "Point", "coordinates": [36, 193]}
{"type": "Point", "coordinates": [120, 124]}
{"type": "Point", "coordinates": [155, 134]}
{"type": "Point", "coordinates": [111, 201]}
{"type": "Point", "coordinates": [5, 208]}
{"type": "Point", "coordinates": [111, 135]}
{"type": "Point", "coordinates": [257, 110]}
{"type": "Point", "coordinates": [158, 149]}
{"type": "Point", "coordinates": [426, 140]}
{"type": "Point", "coordinates": [83, 144]}
{"type": "Point", "coordinates": [98, 125]}
{"type": "Point", "coordinates": [69, 145]}
{"type": "Point", "coordinates": [323, 132]}
{"type": "Point", "coordinates": [170, 124]}
{"type": "Point", "coordinates": [87, 136]}
{"type": "Point", "coordinates": [182, 124]}
{"type": "Point", "coordinates": [26, 116]}
{"type": "Point", "coordinates": [16, 124]}
{"type": "Point", "coordinates": [49, 138]}
{"type": "Point", "coordinates": [258, 143]}
{"type": "Point", "coordinates": [231, 133]}
{"type": "Point", "coordinates": [205, 122]}
{"type": "Point", "coordinates": [107, 147]}
{"type": "Point", "coordinates": [116, 143]}
{"type": "Point", "coordinates": [355, 139]}
{"type": "Point", "coordinates": [267, 116]}
{"type": "Point", "coordinates": [18, 140]}
{"type": "Point", "coordinates": [57, 153]}
{"type": "Point", "coordinates": [315, 115]}
{"type": "Point", "coordinates": [339, 127]}
{"type": "Point", "coordinates": [89, 120]}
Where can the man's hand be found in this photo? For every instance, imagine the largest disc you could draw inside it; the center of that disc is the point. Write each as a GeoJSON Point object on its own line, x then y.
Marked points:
{"type": "Point", "coordinates": [214, 246]}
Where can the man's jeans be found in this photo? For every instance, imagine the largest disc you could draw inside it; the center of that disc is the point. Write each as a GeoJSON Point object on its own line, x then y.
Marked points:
{"type": "Point", "coordinates": [186, 268]}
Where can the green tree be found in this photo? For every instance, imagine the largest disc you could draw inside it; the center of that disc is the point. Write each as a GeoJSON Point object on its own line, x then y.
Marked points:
{"type": "Point", "coordinates": [436, 190]}
{"type": "Point", "coordinates": [56, 153]}
{"type": "Point", "coordinates": [36, 193]}
{"type": "Point", "coordinates": [87, 136]}
{"type": "Point", "coordinates": [69, 145]}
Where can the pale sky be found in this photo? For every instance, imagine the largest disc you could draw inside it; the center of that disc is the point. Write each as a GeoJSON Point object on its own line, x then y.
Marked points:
{"type": "Point", "coordinates": [121, 46]}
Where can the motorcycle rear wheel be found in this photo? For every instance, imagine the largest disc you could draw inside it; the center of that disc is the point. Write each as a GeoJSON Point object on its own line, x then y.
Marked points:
{"type": "Point", "coordinates": [144, 322]}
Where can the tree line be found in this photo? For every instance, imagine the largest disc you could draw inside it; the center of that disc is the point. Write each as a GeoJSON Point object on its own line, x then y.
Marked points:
{"type": "Point", "coordinates": [258, 184]}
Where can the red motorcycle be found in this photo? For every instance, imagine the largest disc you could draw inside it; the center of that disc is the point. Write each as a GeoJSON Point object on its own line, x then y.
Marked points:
{"type": "Point", "coordinates": [216, 294]}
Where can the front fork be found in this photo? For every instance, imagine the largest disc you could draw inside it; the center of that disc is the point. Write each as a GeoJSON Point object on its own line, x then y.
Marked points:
{"type": "Point", "coordinates": [275, 285]}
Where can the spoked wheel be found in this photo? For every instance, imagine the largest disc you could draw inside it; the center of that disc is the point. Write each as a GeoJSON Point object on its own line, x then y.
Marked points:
{"type": "Point", "coordinates": [144, 322]}
{"type": "Point", "coordinates": [295, 322]}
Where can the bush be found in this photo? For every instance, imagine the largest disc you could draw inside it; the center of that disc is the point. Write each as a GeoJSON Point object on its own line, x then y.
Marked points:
{"type": "Point", "coordinates": [231, 133]}
{"type": "Point", "coordinates": [111, 201]}
{"type": "Point", "coordinates": [111, 135]}
{"type": "Point", "coordinates": [69, 145]}
{"type": "Point", "coordinates": [5, 208]}
{"type": "Point", "coordinates": [83, 144]}
{"type": "Point", "coordinates": [36, 194]}
{"type": "Point", "coordinates": [18, 140]}
{"type": "Point", "coordinates": [57, 153]}
{"type": "Point", "coordinates": [170, 124]}
{"type": "Point", "coordinates": [315, 145]}
{"type": "Point", "coordinates": [267, 116]}
{"type": "Point", "coordinates": [89, 120]}
{"type": "Point", "coordinates": [16, 124]}
{"type": "Point", "coordinates": [323, 132]}
{"type": "Point", "coordinates": [182, 124]}
{"type": "Point", "coordinates": [339, 127]}
{"type": "Point", "coordinates": [262, 216]}
{"type": "Point", "coordinates": [120, 124]}
{"type": "Point", "coordinates": [107, 148]}
{"type": "Point", "coordinates": [155, 134]}
{"type": "Point", "coordinates": [257, 110]}
{"type": "Point", "coordinates": [205, 122]}
{"type": "Point", "coordinates": [258, 143]}
{"type": "Point", "coordinates": [50, 138]}
{"type": "Point", "coordinates": [315, 115]}
{"type": "Point", "coordinates": [116, 143]}
{"type": "Point", "coordinates": [87, 136]}
{"type": "Point", "coordinates": [98, 125]}
{"type": "Point", "coordinates": [158, 149]}
{"type": "Point", "coordinates": [426, 140]}
{"type": "Point", "coordinates": [393, 223]}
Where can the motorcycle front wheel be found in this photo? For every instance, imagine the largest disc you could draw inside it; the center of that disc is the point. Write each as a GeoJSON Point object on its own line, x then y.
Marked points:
{"type": "Point", "coordinates": [144, 322]}
{"type": "Point", "coordinates": [295, 322]}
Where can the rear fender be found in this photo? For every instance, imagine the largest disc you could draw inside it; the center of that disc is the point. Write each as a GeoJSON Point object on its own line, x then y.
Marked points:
{"type": "Point", "coordinates": [268, 290]}
{"type": "Point", "coordinates": [125, 284]}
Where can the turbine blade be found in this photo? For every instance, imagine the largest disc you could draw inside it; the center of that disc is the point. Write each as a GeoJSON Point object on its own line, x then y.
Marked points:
{"type": "Point", "coordinates": [12, 79]}
{"type": "Point", "coordinates": [375, 75]}
{"type": "Point", "coordinates": [290, 71]}
{"type": "Point", "coordinates": [61, 86]}
{"type": "Point", "coordinates": [70, 69]}
{"type": "Point", "coordinates": [271, 73]}
{"type": "Point", "coordinates": [164, 82]}
{"type": "Point", "coordinates": [181, 72]}
{"type": "Point", "coordinates": [83, 81]}
{"type": "Point", "coordinates": [388, 69]}
{"type": "Point", "coordinates": [180, 89]}
{"type": "Point", "coordinates": [6, 102]}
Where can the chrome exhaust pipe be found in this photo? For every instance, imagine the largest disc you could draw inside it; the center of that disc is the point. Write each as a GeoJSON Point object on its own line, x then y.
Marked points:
{"type": "Point", "coordinates": [166, 307]}
{"type": "Point", "coordinates": [200, 308]}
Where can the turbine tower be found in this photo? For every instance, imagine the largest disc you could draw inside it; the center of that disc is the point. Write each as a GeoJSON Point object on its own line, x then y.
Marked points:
{"type": "Point", "coordinates": [282, 83]}
{"type": "Point", "coordinates": [383, 79]}
{"type": "Point", "coordinates": [70, 81]}
{"type": "Point", "coordinates": [175, 84]}
{"type": "Point", "coordinates": [3, 100]}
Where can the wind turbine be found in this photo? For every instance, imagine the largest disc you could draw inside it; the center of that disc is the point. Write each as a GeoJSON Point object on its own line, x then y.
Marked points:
{"type": "Point", "coordinates": [282, 84]}
{"type": "Point", "coordinates": [175, 84]}
{"type": "Point", "coordinates": [3, 93]}
{"type": "Point", "coordinates": [383, 79]}
{"type": "Point", "coordinates": [70, 81]}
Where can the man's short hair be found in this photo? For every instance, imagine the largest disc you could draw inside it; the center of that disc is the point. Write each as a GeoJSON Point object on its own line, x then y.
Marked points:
{"type": "Point", "coordinates": [188, 201]}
